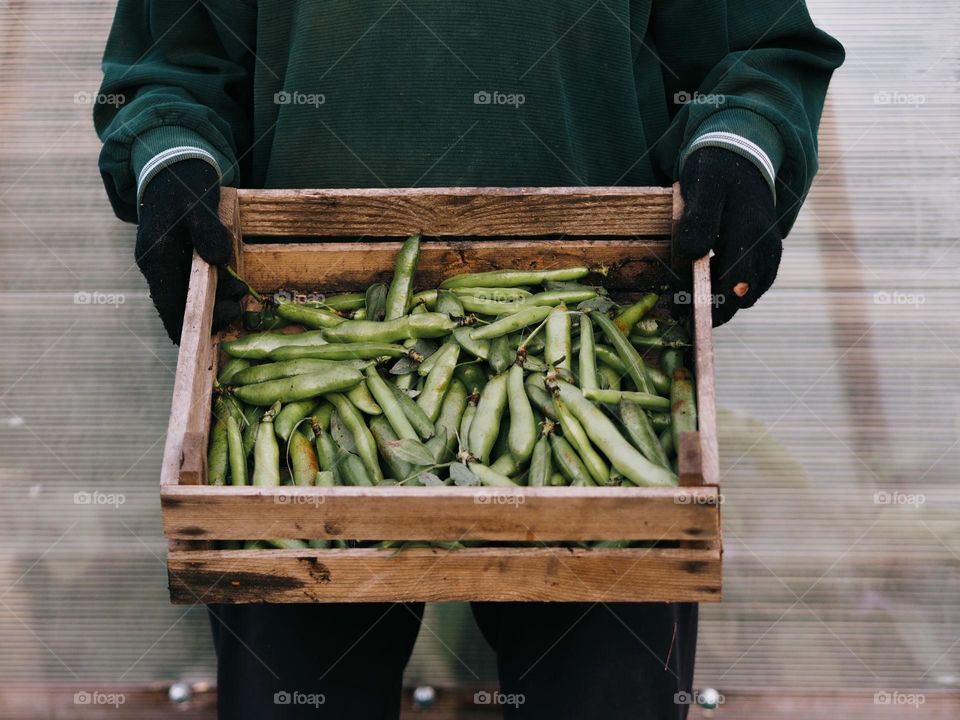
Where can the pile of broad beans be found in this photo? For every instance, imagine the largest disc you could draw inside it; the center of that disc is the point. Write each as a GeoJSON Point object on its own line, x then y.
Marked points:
{"type": "Point", "coordinates": [505, 379]}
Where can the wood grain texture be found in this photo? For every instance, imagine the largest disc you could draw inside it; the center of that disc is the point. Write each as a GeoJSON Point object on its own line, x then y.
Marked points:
{"type": "Point", "coordinates": [445, 513]}
{"type": "Point", "coordinates": [690, 460]}
{"type": "Point", "coordinates": [229, 213]}
{"type": "Point", "coordinates": [632, 264]}
{"type": "Point", "coordinates": [706, 387]}
{"type": "Point", "coordinates": [433, 575]}
{"type": "Point", "coordinates": [457, 211]}
{"type": "Point", "coordinates": [193, 386]}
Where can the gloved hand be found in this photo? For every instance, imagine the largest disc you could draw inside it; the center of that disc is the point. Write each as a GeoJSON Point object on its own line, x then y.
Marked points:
{"type": "Point", "coordinates": [728, 208]}
{"type": "Point", "coordinates": [178, 214]}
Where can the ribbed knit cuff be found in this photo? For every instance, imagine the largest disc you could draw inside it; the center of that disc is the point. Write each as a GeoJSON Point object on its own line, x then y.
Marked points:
{"type": "Point", "coordinates": [746, 133]}
{"type": "Point", "coordinates": [162, 146]}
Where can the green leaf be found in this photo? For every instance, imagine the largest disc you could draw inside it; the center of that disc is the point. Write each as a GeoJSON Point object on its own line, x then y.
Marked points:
{"type": "Point", "coordinates": [462, 475]}
{"type": "Point", "coordinates": [341, 433]}
{"type": "Point", "coordinates": [412, 451]}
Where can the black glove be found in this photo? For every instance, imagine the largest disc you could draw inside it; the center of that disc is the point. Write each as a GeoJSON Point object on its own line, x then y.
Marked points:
{"type": "Point", "coordinates": [728, 208]}
{"type": "Point", "coordinates": [178, 213]}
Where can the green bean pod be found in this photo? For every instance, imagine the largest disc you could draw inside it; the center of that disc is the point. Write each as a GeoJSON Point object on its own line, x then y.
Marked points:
{"type": "Point", "coordinates": [386, 438]}
{"type": "Point", "coordinates": [666, 442]}
{"type": "Point", "coordinates": [291, 368]}
{"type": "Point", "coordinates": [324, 478]}
{"type": "Point", "coordinates": [438, 380]}
{"type": "Point", "coordinates": [218, 454]}
{"type": "Point", "coordinates": [577, 437]}
{"type": "Point", "coordinates": [287, 543]}
{"type": "Point", "coordinates": [609, 378]}
{"type": "Point", "coordinates": [230, 369]}
{"type": "Point", "coordinates": [608, 356]}
{"type": "Point", "coordinates": [502, 354]}
{"type": "Point", "coordinates": [511, 323]}
{"type": "Point", "coordinates": [659, 380]}
{"type": "Point", "coordinates": [507, 294]}
{"type": "Point", "coordinates": [660, 421]}
{"type": "Point", "coordinates": [424, 368]}
{"type": "Point", "coordinates": [491, 478]}
{"type": "Point", "coordinates": [648, 327]}
{"type": "Point", "coordinates": [569, 462]}
{"type": "Point", "coordinates": [557, 479]}
{"type": "Point", "coordinates": [523, 428]}
{"type": "Point", "coordinates": [472, 376]}
{"type": "Point", "coordinates": [303, 459]}
{"type": "Point", "coordinates": [541, 400]}
{"type": "Point", "coordinates": [551, 298]}
{"type": "Point", "coordinates": [477, 348]}
{"type": "Point", "coordinates": [299, 387]}
{"type": "Point", "coordinates": [484, 306]}
{"type": "Point", "coordinates": [257, 346]}
{"type": "Point", "coordinates": [321, 414]}
{"type": "Point", "coordinates": [266, 451]}
{"type": "Point", "coordinates": [338, 351]}
{"type": "Point", "coordinates": [670, 360]}
{"type": "Point", "coordinates": [238, 460]}
{"type": "Point", "coordinates": [291, 414]}
{"type": "Point", "coordinates": [505, 464]}
{"type": "Point", "coordinates": [311, 317]}
{"type": "Point", "coordinates": [423, 325]}
{"type": "Point", "coordinates": [683, 405]}
{"type": "Point", "coordinates": [422, 424]}
{"type": "Point", "coordinates": [354, 471]}
{"type": "Point", "coordinates": [638, 427]}
{"type": "Point", "coordinates": [366, 446]}
{"type": "Point", "coordinates": [451, 411]}
{"type": "Point", "coordinates": [559, 347]}
{"type": "Point", "coordinates": [328, 454]}
{"type": "Point", "coordinates": [657, 343]}
{"type": "Point", "coordinates": [514, 278]}
{"type": "Point", "coordinates": [587, 357]}
{"type": "Point", "coordinates": [466, 422]}
{"type": "Point", "coordinates": [541, 466]}
{"type": "Point", "coordinates": [486, 424]}
{"type": "Point", "coordinates": [628, 461]}
{"type": "Point", "coordinates": [389, 403]}
{"type": "Point", "coordinates": [250, 435]}
{"type": "Point", "coordinates": [401, 287]}
{"type": "Point", "coordinates": [628, 354]}
{"type": "Point", "coordinates": [644, 400]}
{"type": "Point", "coordinates": [425, 298]}
{"type": "Point", "coordinates": [630, 316]}
{"type": "Point", "coordinates": [362, 400]}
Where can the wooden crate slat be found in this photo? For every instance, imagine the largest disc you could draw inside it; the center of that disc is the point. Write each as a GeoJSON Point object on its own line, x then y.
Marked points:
{"type": "Point", "coordinates": [192, 388]}
{"type": "Point", "coordinates": [448, 513]}
{"type": "Point", "coordinates": [434, 575]}
{"type": "Point", "coordinates": [333, 266]}
{"type": "Point", "coordinates": [457, 211]}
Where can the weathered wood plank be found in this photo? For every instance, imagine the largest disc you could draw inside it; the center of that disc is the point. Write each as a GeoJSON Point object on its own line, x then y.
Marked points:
{"type": "Point", "coordinates": [434, 575]}
{"type": "Point", "coordinates": [457, 211]}
{"type": "Point", "coordinates": [192, 388]}
{"type": "Point", "coordinates": [632, 264]}
{"type": "Point", "coordinates": [706, 387]}
{"type": "Point", "coordinates": [443, 513]}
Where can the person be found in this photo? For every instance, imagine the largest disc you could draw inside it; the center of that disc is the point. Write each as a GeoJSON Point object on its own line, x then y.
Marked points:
{"type": "Point", "coordinates": [724, 95]}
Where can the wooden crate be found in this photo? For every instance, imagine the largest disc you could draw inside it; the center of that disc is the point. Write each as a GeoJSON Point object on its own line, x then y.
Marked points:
{"type": "Point", "coordinates": [627, 229]}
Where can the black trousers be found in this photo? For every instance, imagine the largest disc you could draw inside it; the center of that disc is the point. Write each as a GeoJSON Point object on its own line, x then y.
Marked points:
{"type": "Point", "coordinates": [556, 661]}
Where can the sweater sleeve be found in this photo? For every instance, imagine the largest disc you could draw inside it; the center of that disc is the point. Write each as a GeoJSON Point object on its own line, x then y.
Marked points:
{"type": "Point", "coordinates": [182, 73]}
{"type": "Point", "coordinates": [750, 77]}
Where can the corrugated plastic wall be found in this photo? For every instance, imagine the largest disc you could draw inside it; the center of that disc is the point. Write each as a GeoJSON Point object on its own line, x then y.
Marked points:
{"type": "Point", "coordinates": [840, 385]}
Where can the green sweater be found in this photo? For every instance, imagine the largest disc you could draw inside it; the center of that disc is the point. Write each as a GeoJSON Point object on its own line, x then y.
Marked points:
{"type": "Point", "coordinates": [403, 93]}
